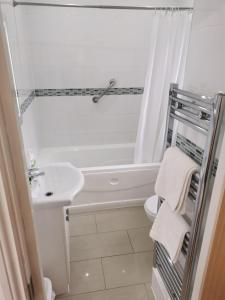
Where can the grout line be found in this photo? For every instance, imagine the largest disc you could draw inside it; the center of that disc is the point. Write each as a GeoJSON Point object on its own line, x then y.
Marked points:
{"type": "Point", "coordinates": [108, 289]}
{"type": "Point", "coordinates": [96, 224]}
{"type": "Point", "coordinates": [128, 285]}
{"type": "Point", "coordinates": [111, 231]}
{"type": "Point", "coordinates": [110, 256]}
{"type": "Point", "coordinates": [103, 273]}
{"type": "Point", "coordinates": [148, 296]}
{"type": "Point", "coordinates": [129, 238]}
{"type": "Point", "coordinates": [109, 210]}
{"type": "Point", "coordinates": [102, 257]}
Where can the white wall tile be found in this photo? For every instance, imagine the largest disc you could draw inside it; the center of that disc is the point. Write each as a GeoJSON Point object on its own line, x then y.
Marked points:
{"type": "Point", "coordinates": [76, 48]}
{"type": "Point", "coordinates": [113, 120]}
{"type": "Point", "coordinates": [205, 74]}
{"type": "Point", "coordinates": [30, 131]}
{"type": "Point", "coordinates": [22, 70]}
{"type": "Point", "coordinates": [205, 71]}
{"type": "Point", "coordinates": [86, 48]}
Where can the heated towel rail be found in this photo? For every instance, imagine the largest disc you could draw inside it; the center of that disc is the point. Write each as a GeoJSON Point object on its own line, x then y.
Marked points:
{"type": "Point", "coordinates": [205, 115]}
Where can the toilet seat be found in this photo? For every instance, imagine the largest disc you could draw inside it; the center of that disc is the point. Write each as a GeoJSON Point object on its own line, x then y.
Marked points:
{"type": "Point", "coordinates": [151, 206]}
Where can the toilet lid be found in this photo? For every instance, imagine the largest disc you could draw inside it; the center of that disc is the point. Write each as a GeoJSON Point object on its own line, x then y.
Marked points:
{"type": "Point", "coordinates": [151, 205]}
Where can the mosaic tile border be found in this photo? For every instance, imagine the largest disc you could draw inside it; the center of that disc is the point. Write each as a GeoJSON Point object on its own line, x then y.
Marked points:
{"type": "Point", "coordinates": [24, 92]}
{"type": "Point", "coordinates": [195, 152]}
{"type": "Point", "coordinates": [88, 91]}
{"type": "Point", "coordinates": [191, 149]}
{"type": "Point", "coordinates": [73, 92]}
{"type": "Point", "coordinates": [27, 102]}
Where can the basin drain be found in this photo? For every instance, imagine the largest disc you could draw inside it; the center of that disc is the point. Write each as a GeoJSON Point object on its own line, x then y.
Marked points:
{"type": "Point", "coordinates": [48, 194]}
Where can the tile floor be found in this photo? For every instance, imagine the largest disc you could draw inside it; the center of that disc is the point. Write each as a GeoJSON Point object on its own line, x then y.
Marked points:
{"type": "Point", "coordinates": [111, 256]}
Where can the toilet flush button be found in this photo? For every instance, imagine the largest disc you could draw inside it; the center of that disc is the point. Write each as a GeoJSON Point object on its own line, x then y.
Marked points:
{"type": "Point", "coordinates": [114, 181]}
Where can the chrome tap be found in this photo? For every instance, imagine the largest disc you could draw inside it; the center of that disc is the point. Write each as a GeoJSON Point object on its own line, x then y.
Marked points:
{"type": "Point", "coordinates": [34, 173]}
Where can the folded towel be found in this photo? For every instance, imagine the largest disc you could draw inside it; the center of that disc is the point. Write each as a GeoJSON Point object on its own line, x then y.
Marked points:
{"type": "Point", "coordinates": [169, 229]}
{"type": "Point", "coordinates": [173, 180]}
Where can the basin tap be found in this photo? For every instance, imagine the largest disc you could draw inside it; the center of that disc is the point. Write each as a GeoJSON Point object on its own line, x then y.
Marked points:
{"type": "Point", "coordinates": [34, 173]}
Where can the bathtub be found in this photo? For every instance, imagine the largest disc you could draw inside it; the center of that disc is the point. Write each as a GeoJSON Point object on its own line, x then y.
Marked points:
{"type": "Point", "coordinates": [111, 180]}
{"type": "Point", "coordinates": [90, 156]}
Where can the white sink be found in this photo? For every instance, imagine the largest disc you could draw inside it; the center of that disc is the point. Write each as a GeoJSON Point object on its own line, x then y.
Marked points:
{"type": "Point", "coordinates": [58, 187]}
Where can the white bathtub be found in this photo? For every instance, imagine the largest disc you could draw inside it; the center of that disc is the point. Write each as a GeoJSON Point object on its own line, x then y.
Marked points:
{"type": "Point", "coordinates": [108, 182]}
{"type": "Point", "coordinates": [90, 156]}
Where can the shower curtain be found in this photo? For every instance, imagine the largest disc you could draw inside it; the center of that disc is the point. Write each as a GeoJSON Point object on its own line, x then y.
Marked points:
{"type": "Point", "coordinates": [168, 51]}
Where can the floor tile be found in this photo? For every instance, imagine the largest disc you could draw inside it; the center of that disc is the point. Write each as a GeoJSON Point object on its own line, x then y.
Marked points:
{"type": "Point", "coordinates": [140, 239]}
{"type": "Point", "coordinates": [136, 292]}
{"type": "Point", "coordinates": [127, 269]}
{"type": "Point", "coordinates": [149, 291]}
{"type": "Point", "coordinates": [86, 276]}
{"type": "Point", "coordinates": [121, 219]}
{"type": "Point", "coordinates": [82, 224]}
{"type": "Point", "coordinates": [99, 245]}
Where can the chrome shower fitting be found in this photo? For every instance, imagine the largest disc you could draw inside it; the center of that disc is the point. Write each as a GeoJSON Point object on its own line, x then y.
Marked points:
{"type": "Point", "coordinates": [112, 83]}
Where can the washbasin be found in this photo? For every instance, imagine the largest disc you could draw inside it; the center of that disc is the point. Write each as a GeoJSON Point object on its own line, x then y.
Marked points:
{"type": "Point", "coordinates": [58, 186]}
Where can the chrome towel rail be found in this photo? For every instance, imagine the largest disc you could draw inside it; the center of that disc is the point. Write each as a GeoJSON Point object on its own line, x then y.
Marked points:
{"type": "Point", "coordinates": [112, 83]}
{"type": "Point", "coordinates": [191, 97]}
{"type": "Point", "coordinates": [203, 114]}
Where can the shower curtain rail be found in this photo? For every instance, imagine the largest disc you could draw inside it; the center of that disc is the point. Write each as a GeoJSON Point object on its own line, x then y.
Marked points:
{"type": "Point", "coordinates": [121, 7]}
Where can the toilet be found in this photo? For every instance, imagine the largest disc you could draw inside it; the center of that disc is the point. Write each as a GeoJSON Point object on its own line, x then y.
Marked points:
{"type": "Point", "coordinates": [150, 206]}
{"type": "Point", "coordinates": [49, 293]}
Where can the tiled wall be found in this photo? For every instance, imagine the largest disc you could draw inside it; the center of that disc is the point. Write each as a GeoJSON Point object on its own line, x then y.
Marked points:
{"type": "Point", "coordinates": [59, 51]}
{"type": "Point", "coordinates": [28, 96]}
{"type": "Point", "coordinates": [78, 121]}
{"type": "Point", "coordinates": [191, 149]}
{"type": "Point", "coordinates": [89, 91]}
{"type": "Point", "coordinates": [205, 70]}
{"type": "Point", "coordinates": [82, 49]}
{"type": "Point", "coordinates": [205, 74]}
{"type": "Point", "coordinates": [22, 71]}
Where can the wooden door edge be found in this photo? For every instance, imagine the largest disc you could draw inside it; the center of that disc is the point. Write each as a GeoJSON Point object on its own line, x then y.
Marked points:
{"type": "Point", "coordinates": [14, 169]}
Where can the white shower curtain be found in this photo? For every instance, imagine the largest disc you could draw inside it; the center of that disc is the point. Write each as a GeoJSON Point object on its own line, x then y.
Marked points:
{"type": "Point", "coordinates": [168, 51]}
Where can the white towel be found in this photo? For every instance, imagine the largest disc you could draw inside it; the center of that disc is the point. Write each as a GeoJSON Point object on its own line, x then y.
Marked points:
{"type": "Point", "coordinates": [169, 229]}
{"type": "Point", "coordinates": [173, 180]}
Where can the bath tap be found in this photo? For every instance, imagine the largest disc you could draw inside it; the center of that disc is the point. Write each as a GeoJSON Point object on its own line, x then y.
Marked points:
{"type": "Point", "coordinates": [34, 173]}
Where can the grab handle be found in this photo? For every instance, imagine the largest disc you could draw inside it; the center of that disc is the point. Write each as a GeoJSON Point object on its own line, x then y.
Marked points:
{"type": "Point", "coordinates": [112, 82]}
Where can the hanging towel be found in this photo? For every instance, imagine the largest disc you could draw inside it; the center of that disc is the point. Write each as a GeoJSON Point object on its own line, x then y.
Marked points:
{"type": "Point", "coordinates": [169, 229]}
{"type": "Point", "coordinates": [174, 177]}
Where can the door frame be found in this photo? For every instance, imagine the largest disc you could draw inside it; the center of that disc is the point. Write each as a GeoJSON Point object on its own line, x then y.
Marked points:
{"type": "Point", "coordinates": [213, 286]}
{"type": "Point", "coordinates": [17, 236]}
{"type": "Point", "coordinates": [211, 265]}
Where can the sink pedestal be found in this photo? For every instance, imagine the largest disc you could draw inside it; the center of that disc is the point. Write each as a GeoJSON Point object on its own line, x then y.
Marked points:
{"type": "Point", "coordinates": [53, 241]}
{"type": "Point", "coordinates": [51, 194]}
